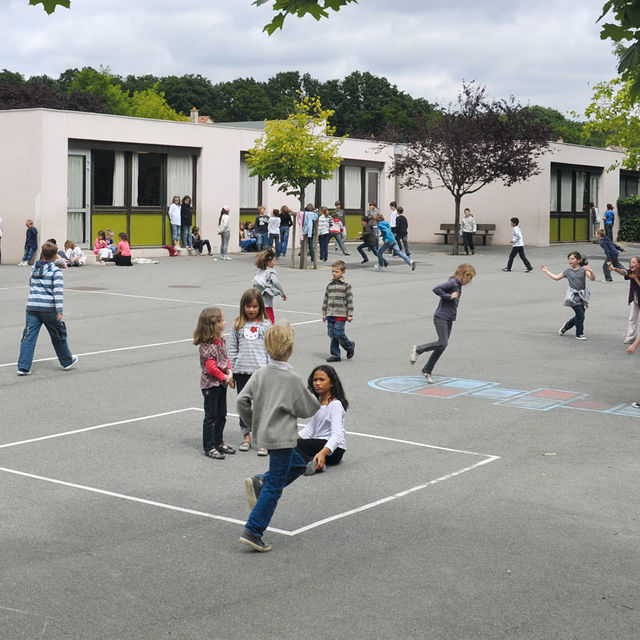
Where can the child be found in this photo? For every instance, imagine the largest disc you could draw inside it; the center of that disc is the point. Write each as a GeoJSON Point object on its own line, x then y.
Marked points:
{"type": "Point", "coordinates": [266, 280]}
{"type": "Point", "coordinates": [468, 227]}
{"type": "Point", "coordinates": [224, 231]}
{"type": "Point", "coordinates": [518, 247]}
{"type": "Point", "coordinates": [44, 306]}
{"type": "Point", "coordinates": [368, 237]}
{"type": "Point", "coordinates": [389, 242]}
{"type": "Point", "coordinates": [609, 219]}
{"type": "Point", "coordinates": [322, 441]}
{"type": "Point", "coordinates": [198, 243]}
{"type": "Point", "coordinates": [61, 257]}
{"type": "Point", "coordinates": [271, 403]}
{"type": "Point", "coordinates": [402, 230]}
{"type": "Point", "coordinates": [216, 375]}
{"type": "Point", "coordinates": [337, 307]}
{"type": "Point", "coordinates": [30, 244]}
{"type": "Point", "coordinates": [101, 246]}
{"type": "Point", "coordinates": [336, 231]}
{"type": "Point", "coordinates": [444, 317]}
{"type": "Point", "coordinates": [285, 225]}
{"type": "Point", "coordinates": [75, 255]}
{"type": "Point", "coordinates": [578, 295]}
{"type": "Point", "coordinates": [122, 256]}
{"type": "Point", "coordinates": [595, 221]}
{"type": "Point", "coordinates": [324, 223]}
{"type": "Point", "coordinates": [175, 221]}
{"type": "Point", "coordinates": [632, 274]}
{"type": "Point", "coordinates": [250, 243]}
{"type": "Point", "coordinates": [273, 226]}
{"type": "Point", "coordinates": [246, 349]}
{"type": "Point", "coordinates": [261, 225]}
{"type": "Point", "coordinates": [611, 252]}
{"type": "Point", "coordinates": [186, 220]}
{"type": "Point", "coordinates": [308, 221]}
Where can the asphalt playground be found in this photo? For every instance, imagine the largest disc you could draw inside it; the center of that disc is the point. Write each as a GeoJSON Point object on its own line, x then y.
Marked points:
{"type": "Point", "coordinates": [499, 503]}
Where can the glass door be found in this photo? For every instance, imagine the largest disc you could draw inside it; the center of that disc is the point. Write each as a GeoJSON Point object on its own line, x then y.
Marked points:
{"type": "Point", "coordinates": [78, 168]}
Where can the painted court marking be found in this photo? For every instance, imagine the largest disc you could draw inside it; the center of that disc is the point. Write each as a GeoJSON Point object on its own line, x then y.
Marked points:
{"type": "Point", "coordinates": [536, 399]}
{"type": "Point", "coordinates": [485, 459]}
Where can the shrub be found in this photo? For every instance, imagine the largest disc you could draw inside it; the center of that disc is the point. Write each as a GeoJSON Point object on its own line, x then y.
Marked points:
{"type": "Point", "coordinates": [629, 214]}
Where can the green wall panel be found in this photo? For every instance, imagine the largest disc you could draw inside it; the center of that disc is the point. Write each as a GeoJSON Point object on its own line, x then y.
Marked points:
{"type": "Point", "coordinates": [117, 222]}
{"type": "Point", "coordinates": [146, 229]}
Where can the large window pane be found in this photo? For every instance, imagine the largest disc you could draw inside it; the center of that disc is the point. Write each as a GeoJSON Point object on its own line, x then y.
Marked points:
{"type": "Point", "coordinates": [553, 206]}
{"type": "Point", "coordinates": [179, 177]}
{"type": "Point", "coordinates": [566, 182]}
{"type": "Point", "coordinates": [329, 190]}
{"type": "Point", "coordinates": [582, 202]}
{"type": "Point", "coordinates": [149, 180]}
{"type": "Point", "coordinates": [103, 166]}
{"type": "Point", "coordinates": [249, 186]}
{"type": "Point", "coordinates": [310, 194]}
{"type": "Point", "coordinates": [75, 182]}
{"type": "Point", "coordinates": [352, 188]}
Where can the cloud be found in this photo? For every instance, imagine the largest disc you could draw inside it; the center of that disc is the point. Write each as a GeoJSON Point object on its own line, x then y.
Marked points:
{"type": "Point", "coordinates": [543, 53]}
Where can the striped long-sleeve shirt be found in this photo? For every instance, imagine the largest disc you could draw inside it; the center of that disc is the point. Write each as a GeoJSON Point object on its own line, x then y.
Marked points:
{"type": "Point", "coordinates": [46, 291]}
{"type": "Point", "coordinates": [338, 299]}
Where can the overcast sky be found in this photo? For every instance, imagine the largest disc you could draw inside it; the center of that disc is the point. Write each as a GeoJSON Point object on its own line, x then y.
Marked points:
{"type": "Point", "coordinates": [545, 52]}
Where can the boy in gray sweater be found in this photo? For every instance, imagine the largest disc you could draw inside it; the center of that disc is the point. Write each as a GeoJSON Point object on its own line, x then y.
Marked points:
{"type": "Point", "coordinates": [270, 405]}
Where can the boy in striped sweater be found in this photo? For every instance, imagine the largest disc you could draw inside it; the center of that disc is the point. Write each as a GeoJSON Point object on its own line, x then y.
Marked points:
{"type": "Point", "coordinates": [337, 308]}
{"type": "Point", "coordinates": [44, 306]}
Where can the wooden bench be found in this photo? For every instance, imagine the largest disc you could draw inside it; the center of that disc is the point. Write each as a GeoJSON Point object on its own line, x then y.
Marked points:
{"type": "Point", "coordinates": [484, 231]}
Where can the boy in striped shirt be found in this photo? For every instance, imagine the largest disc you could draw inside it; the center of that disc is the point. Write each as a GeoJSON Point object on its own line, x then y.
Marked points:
{"type": "Point", "coordinates": [337, 308]}
{"type": "Point", "coordinates": [44, 307]}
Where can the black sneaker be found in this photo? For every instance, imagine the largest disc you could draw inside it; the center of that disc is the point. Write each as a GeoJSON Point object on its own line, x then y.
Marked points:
{"type": "Point", "coordinates": [505, 269]}
{"type": "Point", "coordinates": [529, 270]}
{"type": "Point", "coordinates": [351, 351]}
{"type": "Point", "coordinates": [255, 542]}
{"type": "Point", "coordinates": [253, 487]}
{"type": "Point", "coordinates": [333, 359]}
{"type": "Point", "coordinates": [635, 405]}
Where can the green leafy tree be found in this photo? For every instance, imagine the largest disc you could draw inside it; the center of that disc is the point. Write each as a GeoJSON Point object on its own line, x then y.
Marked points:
{"type": "Point", "coordinates": [614, 114]}
{"type": "Point", "coordinates": [150, 103]}
{"type": "Point", "coordinates": [472, 144]}
{"type": "Point", "coordinates": [104, 87]}
{"type": "Point", "coordinates": [188, 91]}
{"type": "Point", "coordinates": [295, 152]}
{"type": "Point", "coordinates": [316, 8]}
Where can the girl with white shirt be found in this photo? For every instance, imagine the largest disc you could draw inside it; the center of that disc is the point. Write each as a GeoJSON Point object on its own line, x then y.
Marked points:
{"type": "Point", "coordinates": [175, 220]}
{"type": "Point", "coordinates": [224, 231]}
{"type": "Point", "coordinates": [322, 441]}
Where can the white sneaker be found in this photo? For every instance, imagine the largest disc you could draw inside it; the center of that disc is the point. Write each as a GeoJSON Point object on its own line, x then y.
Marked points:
{"type": "Point", "coordinates": [74, 362]}
{"type": "Point", "coordinates": [629, 340]}
{"type": "Point", "coordinates": [430, 380]}
{"type": "Point", "coordinates": [583, 337]}
{"type": "Point", "coordinates": [22, 263]}
{"type": "Point", "coordinates": [414, 355]}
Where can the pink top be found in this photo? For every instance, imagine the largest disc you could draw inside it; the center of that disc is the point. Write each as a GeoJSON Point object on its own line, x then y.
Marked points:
{"type": "Point", "coordinates": [124, 248]}
{"type": "Point", "coordinates": [99, 244]}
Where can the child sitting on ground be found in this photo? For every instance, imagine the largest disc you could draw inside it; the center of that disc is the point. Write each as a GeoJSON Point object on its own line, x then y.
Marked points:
{"type": "Point", "coordinates": [198, 243]}
{"type": "Point", "coordinates": [270, 405]}
{"type": "Point", "coordinates": [75, 256]}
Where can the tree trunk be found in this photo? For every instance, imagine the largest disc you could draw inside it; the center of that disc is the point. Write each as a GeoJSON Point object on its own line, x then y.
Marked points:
{"type": "Point", "coordinates": [456, 229]}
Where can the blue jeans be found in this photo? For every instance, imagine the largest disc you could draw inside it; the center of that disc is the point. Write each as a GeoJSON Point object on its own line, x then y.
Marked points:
{"type": "Point", "coordinates": [263, 240]}
{"type": "Point", "coordinates": [577, 321]}
{"type": "Point", "coordinates": [28, 254]}
{"type": "Point", "coordinates": [175, 232]}
{"type": "Point", "coordinates": [402, 242]}
{"type": "Point", "coordinates": [335, 330]}
{"type": "Point", "coordinates": [284, 240]}
{"type": "Point", "coordinates": [443, 330]}
{"type": "Point", "coordinates": [395, 248]}
{"type": "Point", "coordinates": [224, 242]}
{"type": "Point", "coordinates": [187, 240]}
{"type": "Point", "coordinates": [323, 241]}
{"type": "Point", "coordinates": [274, 243]}
{"type": "Point", "coordinates": [339, 241]}
{"type": "Point", "coordinates": [285, 465]}
{"type": "Point", "coordinates": [57, 331]}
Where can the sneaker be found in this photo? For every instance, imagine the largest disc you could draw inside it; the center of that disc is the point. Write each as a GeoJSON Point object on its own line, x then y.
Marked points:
{"type": "Point", "coordinates": [334, 359]}
{"type": "Point", "coordinates": [414, 355]}
{"type": "Point", "coordinates": [413, 265]}
{"type": "Point", "coordinates": [351, 351]}
{"type": "Point", "coordinates": [365, 260]}
{"type": "Point", "coordinates": [74, 362]}
{"type": "Point", "coordinates": [430, 380]}
{"type": "Point", "coordinates": [215, 454]}
{"type": "Point", "coordinates": [262, 452]}
{"type": "Point", "coordinates": [24, 372]}
{"type": "Point", "coordinates": [629, 340]}
{"type": "Point", "coordinates": [607, 281]}
{"type": "Point", "coordinates": [505, 269]}
{"type": "Point", "coordinates": [562, 331]}
{"type": "Point", "coordinates": [311, 468]}
{"type": "Point", "coordinates": [635, 405]}
{"type": "Point", "coordinates": [582, 337]}
{"type": "Point", "coordinates": [255, 542]}
{"type": "Point", "coordinates": [253, 487]}
{"type": "Point", "coordinates": [529, 270]}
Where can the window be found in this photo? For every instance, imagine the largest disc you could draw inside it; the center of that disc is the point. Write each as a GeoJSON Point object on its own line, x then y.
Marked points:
{"type": "Point", "coordinates": [249, 188]}
{"type": "Point", "coordinates": [103, 170]}
{"type": "Point", "coordinates": [179, 177]}
{"type": "Point", "coordinates": [352, 188]}
{"type": "Point", "coordinates": [147, 189]}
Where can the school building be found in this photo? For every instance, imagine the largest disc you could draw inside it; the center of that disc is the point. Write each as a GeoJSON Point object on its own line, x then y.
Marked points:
{"type": "Point", "coordinates": [74, 173]}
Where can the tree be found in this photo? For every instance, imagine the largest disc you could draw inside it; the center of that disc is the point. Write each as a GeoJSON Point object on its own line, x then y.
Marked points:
{"type": "Point", "coordinates": [614, 113]}
{"type": "Point", "coordinates": [317, 8]}
{"type": "Point", "coordinates": [294, 152]}
{"type": "Point", "coordinates": [473, 144]}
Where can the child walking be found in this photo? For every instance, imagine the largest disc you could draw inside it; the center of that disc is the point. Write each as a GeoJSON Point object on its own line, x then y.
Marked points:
{"type": "Point", "coordinates": [30, 244]}
{"type": "Point", "coordinates": [632, 274]}
{"type": "Point", "coordinates": [611, 252]}
{"type": "Point", "coordinates": [322, 441]}
{"type": "Point", "coordinates": [449, 293]}
{"type": "Point", "coordinates": [468, 227]}
{"type": "Point", "coordinates": [518, 247]}
{"type": "Point", "coordinates": [216, 374]}
{"type": "Point", "coordinates": [578, 294]}
{"type": "Point", "coordinates": [44, 307]}
{"type": "Point", "coordinates": [266, 280]}
{"type": "Point", "coordinates": [246, 349]}
{"type": "Point", "coordinates": [271, 403]}
{"type": "Point", "coordinates": [337, 308]}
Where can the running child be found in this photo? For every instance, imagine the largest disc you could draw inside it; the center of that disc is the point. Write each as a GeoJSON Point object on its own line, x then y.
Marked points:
{"type": "Point", "coordinates": [449, 293]}
{"type": "Point", "coordinates": [632, 274]}
{"type": "Point", "coordinates": [611, 252]}
{"type": "Point", "coordinates": [518, 247]}
{"type": "Point", "coordinates": [246, 349]}
{"type": "Point", "coordinates": [578, 294]}
{"type": "Point", "coordinates": [337, 308]}
{"type": "Point", "coordinates": [271, 403]}
{"type": "Point", "coordinates": [216, 375]}
{"type": "Point", "coordinates": [322, 441]}
{"type": "Point", "coordinates": [266, 280]}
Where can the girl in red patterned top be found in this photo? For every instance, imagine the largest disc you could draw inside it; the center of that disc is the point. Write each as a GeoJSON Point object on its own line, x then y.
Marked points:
{"type": "Point", "coordinates": [216, 376]}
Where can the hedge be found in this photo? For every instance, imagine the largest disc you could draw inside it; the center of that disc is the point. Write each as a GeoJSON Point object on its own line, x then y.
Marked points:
{"type": "Point", "coordinates": [629, 218]}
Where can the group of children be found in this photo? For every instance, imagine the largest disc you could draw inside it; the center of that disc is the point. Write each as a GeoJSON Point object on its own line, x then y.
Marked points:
{"type": "Point", "coordinates": [106, 251]}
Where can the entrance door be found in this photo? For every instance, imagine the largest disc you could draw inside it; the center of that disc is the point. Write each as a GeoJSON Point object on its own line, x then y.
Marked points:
{"type": "Point", "coordinates": [78, 169]}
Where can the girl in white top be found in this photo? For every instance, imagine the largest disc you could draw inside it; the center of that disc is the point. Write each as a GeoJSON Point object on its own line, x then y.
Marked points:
{"type": "Point", "coordinates": [322, 441]}
{"type": "Point", "coordinates": [224, 231]}
{"type": "Point", "coordinates": [75, 255]}
{"type": "Point", "coordinates": [175, 220]}
{"type": "Point", "coordinates": [274, 231]}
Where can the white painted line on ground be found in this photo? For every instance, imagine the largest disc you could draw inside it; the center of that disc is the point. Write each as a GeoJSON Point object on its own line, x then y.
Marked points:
{"type": "Point", "coordinates": [139, 346]}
